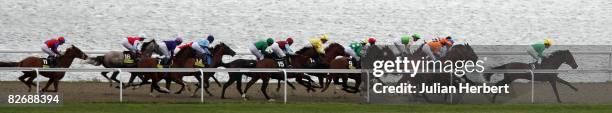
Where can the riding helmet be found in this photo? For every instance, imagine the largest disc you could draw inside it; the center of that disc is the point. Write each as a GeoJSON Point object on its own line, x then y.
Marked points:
{"type": "Point", "coordinates": [210, 38]}
{"type": "Point", "coordinates": [289, 41]}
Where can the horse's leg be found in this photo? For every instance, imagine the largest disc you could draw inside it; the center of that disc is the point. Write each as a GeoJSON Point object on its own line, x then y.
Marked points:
{"type": "Point", "coordinates": [143, 79]}
{"type": "Point", "coordinates": [566, 83]}
{"type": "Point", "coordinates": [500, 83]}
{"type": "Point", "coordinates": [169, 79]}
{"type": "Point", "coordinates": [56, 84]}
{"type": "Point", "coordinates": [327, 84]}
{"type": "Point", "coordinates": [321, 82]}
{"type": "Point", "coordinates": [23, 78]}
{"type": "Point", "coordinates": [132, 77]}
{"type": "Point", "coordinates": [107, 78]}
{"type": "Point", "coordinates": [227, 84]}
{"type": "Point", "coordinates": [114, 78]}
{"type": "Point", "coordinates": [553, 84]}
{"type": "Point", "coordinates": [264, 87]}
{"type": "Point", "coordinates": [249, 84]}
{"type": "Point", "coordinates": [278, 85]}
{"type": "Point", "coordinates": [199, 79]}
{"type": "Point", "coordinates": [180, 82]}
{"type": "Point", "coordinates": [358, 83]}
{"type": "Point", "coordinates": [215, 79]}
{"type": "Point", "coordinates": [51, 80]}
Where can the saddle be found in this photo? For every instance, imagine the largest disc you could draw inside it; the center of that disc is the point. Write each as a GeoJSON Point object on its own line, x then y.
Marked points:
{"type": "Point", "coordinates": [49, 62]}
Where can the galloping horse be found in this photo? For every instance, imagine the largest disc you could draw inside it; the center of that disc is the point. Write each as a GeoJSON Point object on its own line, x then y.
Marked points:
{"type": "Point", "coordinates": [300, 60]}
{"type": "Point", "coordinates": [114, 59]}
{"type": "Point", "coordinates": [64, 61]}
{"type": "Point", "coordinates": [186, 58]}
{"type": "Point", "coordinates": [554, 61]}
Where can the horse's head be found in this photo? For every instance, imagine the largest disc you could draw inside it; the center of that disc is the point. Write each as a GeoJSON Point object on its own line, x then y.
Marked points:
{"type": "Point", "coordinates": [75, 52]}
{"type": "Point", "coordinates": [309, 52]}
{"type": "Point", "coordinates": [461, 52]}
{"type": "Point", "coordinates": [148, 48]}
{"type": "Point", "coordinates": [223, 49]}
{"type": "Point", "coordinates": [561, 56]}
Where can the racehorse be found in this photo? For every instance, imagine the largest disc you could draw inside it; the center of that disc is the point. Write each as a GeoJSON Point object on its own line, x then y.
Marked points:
{"type": "Point", "coordinates": [114, 59]}
{"type": "Point", "coordinates": [554, 61]}
{"type": "Point", "coordinates": [64, 61]}
{"type": "Point", "coordinates": [300, 60]}
{"type": "Point", "coordinates": [186, 58]}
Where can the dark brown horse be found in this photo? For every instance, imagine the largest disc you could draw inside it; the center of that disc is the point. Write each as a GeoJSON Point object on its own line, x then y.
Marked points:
{"type": "Point", "coordinates": [331, 52]}
{"type": "Point", "coordinates": [300, 60]}
{"type": "Point", "coordinates": [237, 76]}
{"type": "Point", "coordinates": [64, 61]}
{"type": "Point", "coordinates": [186, 58]}
{"type": "Point", "coordinates": [554, 61]}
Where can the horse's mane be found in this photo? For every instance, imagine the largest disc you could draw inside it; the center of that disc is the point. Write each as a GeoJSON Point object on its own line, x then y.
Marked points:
{"type": "Point", "coordinates": [303, 50]}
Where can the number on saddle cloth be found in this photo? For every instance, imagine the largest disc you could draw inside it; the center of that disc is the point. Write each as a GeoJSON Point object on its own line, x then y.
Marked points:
{"type": "Point", "coordinates": [128, 58]}
{"type": "Point", "coordinates": [200, 61]}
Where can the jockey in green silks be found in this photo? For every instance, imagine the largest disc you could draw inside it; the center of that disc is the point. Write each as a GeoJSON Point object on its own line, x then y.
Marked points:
{"type": "Point", "coordinates": [537, 51]}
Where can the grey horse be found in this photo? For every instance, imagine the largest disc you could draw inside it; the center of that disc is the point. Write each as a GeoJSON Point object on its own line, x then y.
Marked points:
{"type": "Point", "coordinates": [114, 59]}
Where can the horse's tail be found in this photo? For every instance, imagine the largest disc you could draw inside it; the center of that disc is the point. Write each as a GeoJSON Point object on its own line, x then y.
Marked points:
{"type": "Point", "coordinates": [487, 76]}
{"type": "Point", "coordinates": [9, 64]}
{"type": "Point", "coordinates": [98, 60]}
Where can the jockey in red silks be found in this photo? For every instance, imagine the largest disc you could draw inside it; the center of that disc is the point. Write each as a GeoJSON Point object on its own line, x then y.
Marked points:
{"type": "Point", "coordinates": [132, 44]}
{"type": "Point", "coordinates": [50, 47]}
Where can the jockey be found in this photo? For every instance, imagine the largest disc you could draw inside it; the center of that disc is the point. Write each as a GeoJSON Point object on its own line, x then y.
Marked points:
{"type": "Point", "coordinates": [132, 44]}
{"type": "Point", "coordinates": [437, 49]}
{"type": "Point", "coordinates": [168, 50]}
{"type": "Point", "coordinates": [286, 45]}
{"type": "Point", "coordinates": [317, 43]}
{"type": "Point", "coordinates": [354, 49]}
{"type": "Point", "coordinates": [259, 48]}
{"type": "Point", "coordinates": [537, 51]}
{"type": "Point", "coordinates": [402, 44]}
{"type": "Point", "coordinates": [50, 47]}
{"type": "Point", "coordinates": [201, 46]}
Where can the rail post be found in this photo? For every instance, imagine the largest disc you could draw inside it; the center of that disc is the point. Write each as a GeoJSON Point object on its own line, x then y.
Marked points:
{"type": "Point", "coordinates": [532, 86]}
{"type": "Point", "coordinates": [368, 87]}
{"type": "Point", "coordinates": [202, 86]}
{"type": "Point", "coordinates": [37, 81]}
{"type": "Point", "coordinates": [285, 86]}
{"type": "Point", "coordinates": [120, 86]}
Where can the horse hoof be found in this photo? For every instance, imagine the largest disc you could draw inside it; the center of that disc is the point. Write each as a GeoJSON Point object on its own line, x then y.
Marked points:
{"type": "Point", "coordinates": [153, 95]}
{"type": "Point", "coordinates": [165, 90]}
{"type": "Point", "coordinates": [271, 100]}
